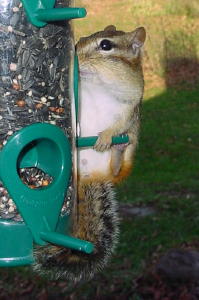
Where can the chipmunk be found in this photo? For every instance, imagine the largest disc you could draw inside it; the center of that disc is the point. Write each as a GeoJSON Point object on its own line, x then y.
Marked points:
{"type": "Point", "coordinates": [110, 92]}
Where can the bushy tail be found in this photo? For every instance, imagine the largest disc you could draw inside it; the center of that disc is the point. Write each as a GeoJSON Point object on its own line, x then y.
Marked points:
{"type": "Point", "coordinates": [97, 222]}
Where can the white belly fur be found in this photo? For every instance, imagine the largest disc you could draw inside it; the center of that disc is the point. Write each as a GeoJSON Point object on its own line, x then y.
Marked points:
{"type": "Point", "coordinates": [97, 111]}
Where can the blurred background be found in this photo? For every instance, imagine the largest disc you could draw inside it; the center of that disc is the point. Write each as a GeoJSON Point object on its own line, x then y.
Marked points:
{"type": "Point", "coordinates": [172, 47]}
{"type": "Point", "coordinates": [159, 204]}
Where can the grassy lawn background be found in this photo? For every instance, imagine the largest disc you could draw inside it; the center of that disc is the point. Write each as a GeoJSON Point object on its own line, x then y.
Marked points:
{"type": "Point", "coordinates": [166, 171]}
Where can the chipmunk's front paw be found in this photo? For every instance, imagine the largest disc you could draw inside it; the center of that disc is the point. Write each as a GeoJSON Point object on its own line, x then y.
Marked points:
{"type": "Point", "coordinates": [103, 142]}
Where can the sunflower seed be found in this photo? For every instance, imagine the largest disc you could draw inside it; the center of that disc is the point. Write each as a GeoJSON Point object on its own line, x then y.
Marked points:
{"type": "Point", "coordinates": [34, 67]}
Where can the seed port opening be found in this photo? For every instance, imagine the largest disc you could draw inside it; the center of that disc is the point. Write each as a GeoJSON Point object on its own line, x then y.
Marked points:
{"type": "Point", "coordinates": [31, 175]}
{"type": "Point", "coordinates": [34, 177]}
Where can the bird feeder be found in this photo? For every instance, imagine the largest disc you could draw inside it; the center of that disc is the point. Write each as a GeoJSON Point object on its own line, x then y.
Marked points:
{"type": "Point", "coordinates": [38, 115]}
{"type": "Point", "coordinates": [35, 127]}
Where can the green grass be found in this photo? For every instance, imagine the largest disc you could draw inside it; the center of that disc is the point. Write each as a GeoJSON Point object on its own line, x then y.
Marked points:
{"type": "Point", "coordinates": [166, 175]}
{"type": "Point", "coordinates": [167, 156]}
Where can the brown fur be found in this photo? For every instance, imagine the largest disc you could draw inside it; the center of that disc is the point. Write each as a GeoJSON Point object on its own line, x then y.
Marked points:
{"type": "Point", "coordinates": [97, 222]}
{"type": "Point", "coordinates": [120, 68]}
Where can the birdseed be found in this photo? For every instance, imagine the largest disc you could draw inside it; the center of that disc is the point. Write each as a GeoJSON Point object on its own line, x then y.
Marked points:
{"type": "Point", "coordinates": [34, 71]}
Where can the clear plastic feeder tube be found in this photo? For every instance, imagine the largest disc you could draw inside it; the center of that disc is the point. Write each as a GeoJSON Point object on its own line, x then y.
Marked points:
{"type": "Point", "coordinates": [35, 70]}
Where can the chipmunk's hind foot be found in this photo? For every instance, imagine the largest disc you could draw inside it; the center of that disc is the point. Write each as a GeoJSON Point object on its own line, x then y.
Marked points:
{"type": "Point", "coordinates": [116, 159]}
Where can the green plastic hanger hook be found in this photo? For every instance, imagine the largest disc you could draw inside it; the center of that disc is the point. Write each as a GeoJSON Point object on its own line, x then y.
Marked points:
{"type": "Point", "coordinates": [40, 12]}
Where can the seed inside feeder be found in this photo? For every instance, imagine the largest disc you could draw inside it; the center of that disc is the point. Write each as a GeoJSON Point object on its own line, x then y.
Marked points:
{"type": "Point", "coordinates": [34, 68]}
{"type": "Point", "coordinates": [34, 177]}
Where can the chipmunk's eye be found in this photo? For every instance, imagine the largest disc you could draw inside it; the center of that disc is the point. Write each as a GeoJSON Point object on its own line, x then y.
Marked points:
{"type": "Point", "coordinates": [106, 45]}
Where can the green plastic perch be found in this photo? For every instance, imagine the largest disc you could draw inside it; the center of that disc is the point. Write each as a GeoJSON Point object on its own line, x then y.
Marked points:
{"type": "Point", "coordinates": [91, 140]}
{"type": "Point", "coordinates": [40, 12]}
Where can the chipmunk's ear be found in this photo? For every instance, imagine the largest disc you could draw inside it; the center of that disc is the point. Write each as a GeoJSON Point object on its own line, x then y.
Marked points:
{"type": "Point", "coordinates": [110, 28]}
{"type": "Point", "coordinates": [139, 36]}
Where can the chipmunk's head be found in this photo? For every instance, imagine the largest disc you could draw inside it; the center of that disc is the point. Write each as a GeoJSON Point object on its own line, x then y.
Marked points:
{"type": "Point", "coordinates": [110, 53]}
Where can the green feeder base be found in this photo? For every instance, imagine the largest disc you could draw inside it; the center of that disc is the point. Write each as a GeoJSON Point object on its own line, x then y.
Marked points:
{"type": "Point", "coordinates": [44, 146]}
{"type": "Point", "coordinates": [17, 247]}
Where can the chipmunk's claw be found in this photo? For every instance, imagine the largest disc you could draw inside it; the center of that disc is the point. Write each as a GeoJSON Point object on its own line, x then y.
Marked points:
{"type": "Point", "coordinates": [103, 142]}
